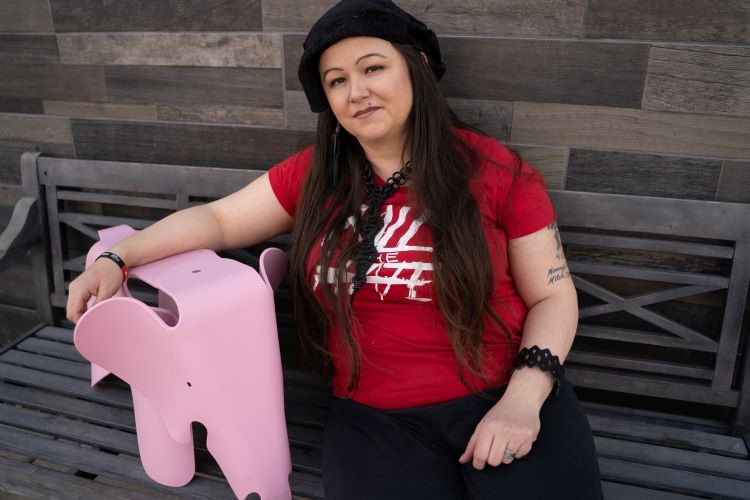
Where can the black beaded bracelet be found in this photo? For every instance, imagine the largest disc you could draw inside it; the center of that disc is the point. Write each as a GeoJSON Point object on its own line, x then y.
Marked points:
{"type": "Point", "coordinates": [544, 360]}
{"type": "Point", "coordinates": [117, 260]}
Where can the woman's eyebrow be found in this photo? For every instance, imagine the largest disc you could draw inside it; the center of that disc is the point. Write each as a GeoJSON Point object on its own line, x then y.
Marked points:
{"type": "Point", "coordinates": [357, 62]}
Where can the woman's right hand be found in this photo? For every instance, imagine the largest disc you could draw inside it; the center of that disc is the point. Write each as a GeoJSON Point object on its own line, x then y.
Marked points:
{"type": "Point", "coordinates": [101, 280]}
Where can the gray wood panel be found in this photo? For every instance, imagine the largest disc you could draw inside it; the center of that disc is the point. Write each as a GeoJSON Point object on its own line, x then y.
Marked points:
{"type": "Point", "coordinates": [699, 79]}
{"type": "Point", "coordinates": [571, 72]}
{"type": "Point", "coordinates": [642, 174]}
{"type": "Point", "coordinates": [242, 50]}
{"type": "Point", "coordinates": [21, 105]}
{"type": "Point", "coordinates": [11, 151]}
{"type": "Point", "coordinates": [26, 15]}
{"type": "Point", "coordinates": [697, 20]}
{"type": "Point", "coordinates": [491, 117]}
{"type": "Point", "coordinates": [509, 17]}
{"type": "Point", "coordinates": [47, 81]}
{"type": "Point", "coordinates": [597, 127]}
{"type": "Point", "coordinates": [182, 85]}
{"type": "Point", "coordinates": [35, 128]}
{"type": "Point", "coordinates": [292, 55]}
{"type": "Point", "coordinates": [298, 114]}
{"type": "Point", "coordinates": [165, 15]}
{"type": "Point", "coordinates": [202, 145]}
{"type": "Point", "coordinates": [734, 183]}
{"type": "Point", "coordinates": [28, 49]}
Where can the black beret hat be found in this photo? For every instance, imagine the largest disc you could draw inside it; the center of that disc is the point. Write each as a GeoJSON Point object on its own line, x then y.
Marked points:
{"type": "Point", "coordinates": [377, 18]}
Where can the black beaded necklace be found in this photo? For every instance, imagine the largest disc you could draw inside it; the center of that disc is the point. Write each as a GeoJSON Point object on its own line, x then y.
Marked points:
{"type": "Point", "coordinates": [372, 222]}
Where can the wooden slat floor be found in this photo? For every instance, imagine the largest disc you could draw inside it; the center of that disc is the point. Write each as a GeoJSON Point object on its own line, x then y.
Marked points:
{"type": "Point", "coordinates": [60, 438]}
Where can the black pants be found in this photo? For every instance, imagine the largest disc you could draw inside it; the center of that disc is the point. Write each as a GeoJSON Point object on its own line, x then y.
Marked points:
{"type": "Point", "coordinates": [413, 453]}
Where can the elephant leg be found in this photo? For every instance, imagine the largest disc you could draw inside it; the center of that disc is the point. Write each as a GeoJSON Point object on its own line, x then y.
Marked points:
{"type": "Point", "coordinates": [254, 459]}
{"type": "Point", "coordinates": [165, 460]}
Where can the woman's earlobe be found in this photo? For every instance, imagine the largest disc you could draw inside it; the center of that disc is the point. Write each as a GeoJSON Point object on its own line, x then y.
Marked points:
{"type": "Point", "coordinates": [424, 57]}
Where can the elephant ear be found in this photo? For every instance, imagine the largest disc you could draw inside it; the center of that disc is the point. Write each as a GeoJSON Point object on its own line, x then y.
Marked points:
{"type": "Point", "coordinates": [273, 265]}
{"type": "Point", "coordinates": [124, 336]}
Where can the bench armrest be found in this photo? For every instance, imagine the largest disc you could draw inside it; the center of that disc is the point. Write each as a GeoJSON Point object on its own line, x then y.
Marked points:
{"type": "Point", "coordinates": [21, 233]}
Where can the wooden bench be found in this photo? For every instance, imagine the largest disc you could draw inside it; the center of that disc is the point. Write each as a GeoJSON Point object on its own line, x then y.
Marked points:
{"type": "Point", "coordinates": [660, 361]}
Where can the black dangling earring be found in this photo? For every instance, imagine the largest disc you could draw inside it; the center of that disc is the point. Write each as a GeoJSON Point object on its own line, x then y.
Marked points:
{"type": "Point", "coordinates": [335, 155]}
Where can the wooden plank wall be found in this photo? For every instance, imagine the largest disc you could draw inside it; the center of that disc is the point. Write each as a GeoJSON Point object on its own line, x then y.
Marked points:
{"type": "Point", "coordinates": [623, 96]}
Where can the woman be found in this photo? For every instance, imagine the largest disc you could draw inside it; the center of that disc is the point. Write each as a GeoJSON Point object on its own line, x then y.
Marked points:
{"type": "Point", "coordinates": [425, 256]}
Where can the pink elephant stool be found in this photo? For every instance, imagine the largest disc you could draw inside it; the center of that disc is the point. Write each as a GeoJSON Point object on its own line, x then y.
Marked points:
{"type": "Point", "coordinates": [208, 353]}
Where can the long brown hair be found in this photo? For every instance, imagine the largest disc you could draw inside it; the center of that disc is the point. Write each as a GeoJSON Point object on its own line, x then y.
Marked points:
{"type": "Point", "coordinates": [439, 189]}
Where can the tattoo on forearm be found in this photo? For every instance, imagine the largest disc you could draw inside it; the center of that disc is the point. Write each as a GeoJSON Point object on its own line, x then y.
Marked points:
{"type": "Point", "coordinates": [556, 273]}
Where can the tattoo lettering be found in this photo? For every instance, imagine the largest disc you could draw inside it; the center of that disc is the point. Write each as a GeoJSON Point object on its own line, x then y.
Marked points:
{"type": "Point", "coordinates": [555, 274]}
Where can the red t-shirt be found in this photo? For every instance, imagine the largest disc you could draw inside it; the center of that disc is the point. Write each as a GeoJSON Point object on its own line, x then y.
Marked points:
{"type": "Point", "coordinates": [407, 358]}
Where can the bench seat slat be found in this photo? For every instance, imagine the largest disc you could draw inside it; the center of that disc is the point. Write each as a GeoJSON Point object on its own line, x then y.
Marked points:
{"type": "Point", "coordinates": [675, 480]}
{"type": "Point", "coordinates": [717, 444]}
{"type": "Point", "coordinates": [66, 385]}
{"type": "Point", "coordinates": [52, 348]}
{"type": "Point", "coordinates": [34, 481]}
{"type": "Point", "coordinates": [48, 364]}
{"type": "Point", "coordinates": [698, 462]}
{"type": "Point", "coordinates": [98, 462]}
{"type": "Point", "coordinates": [69, 406]}
{"type": "Point", "coordinates": [619, 491]}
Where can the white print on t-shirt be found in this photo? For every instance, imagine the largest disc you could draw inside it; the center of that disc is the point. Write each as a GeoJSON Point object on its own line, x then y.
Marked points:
{"type": "Point", "coordinates": [390, 273]}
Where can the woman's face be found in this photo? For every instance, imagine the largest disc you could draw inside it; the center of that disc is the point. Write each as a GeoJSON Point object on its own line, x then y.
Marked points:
{"type": "Point", "coordinates": [368, 87]}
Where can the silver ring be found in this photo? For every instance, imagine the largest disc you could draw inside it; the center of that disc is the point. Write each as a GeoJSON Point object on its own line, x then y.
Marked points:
{"type": "Point", "coordinates": [509, 455]}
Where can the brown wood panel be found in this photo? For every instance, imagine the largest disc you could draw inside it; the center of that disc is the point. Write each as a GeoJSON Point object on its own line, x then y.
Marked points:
{"type": "Point", "coordinates": [14, 322]}
{"type": "Point", "coordinates": [165, 15]}
{"type": "Point", "coordinates": [631, 129]}
{"type": "Point", "coordinates": [696, 20]}
{"type": "Point", "coordinates": [228, 114]}
{"type": "Point", "coordinates": [21, 105]}
{"type": "Point", "coordinates": [699, 79]}
{"type": "Point", "coordinates": [642, 174]}
{"type": "Point", "coordinates": [179, 85]}
{"type": "Point", "coordinates": [491, 117]}
{"type": "Point", "coordinates": [100, 110]}
{"type": "Point", "coordinates": [573, 72]}
{"type": "Point", "coordinates": [172, 49]}
{"type": "Point", "coordinates": [734, 183]}
{"type": "Point", "coordinates": [509, 17]}
{"type": "Point", "coordinates": [57, 81]}
{"type": "Point", "coordinates": [11, 151]}
{"type": "Point", "coordinates": [28, 49]}
{"type": "Point", "coordinates": [549, 161]}
{"type": "Point", "coordinates": [25, 15]}
{"type": "Point", "coordinates": [202, 145]}
{"type": "Point", "coordinates": [23, 127]}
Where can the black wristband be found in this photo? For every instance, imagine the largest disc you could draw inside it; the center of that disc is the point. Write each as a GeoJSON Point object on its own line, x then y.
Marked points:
{"type": "Point", "coordinates": [117, 260]}
{"type": "Point", "coordinates": [544, 360]}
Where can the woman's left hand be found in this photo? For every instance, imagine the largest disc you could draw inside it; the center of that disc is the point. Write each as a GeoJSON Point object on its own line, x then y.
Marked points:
{"type": "Point", "coordinates": [505, 433]}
